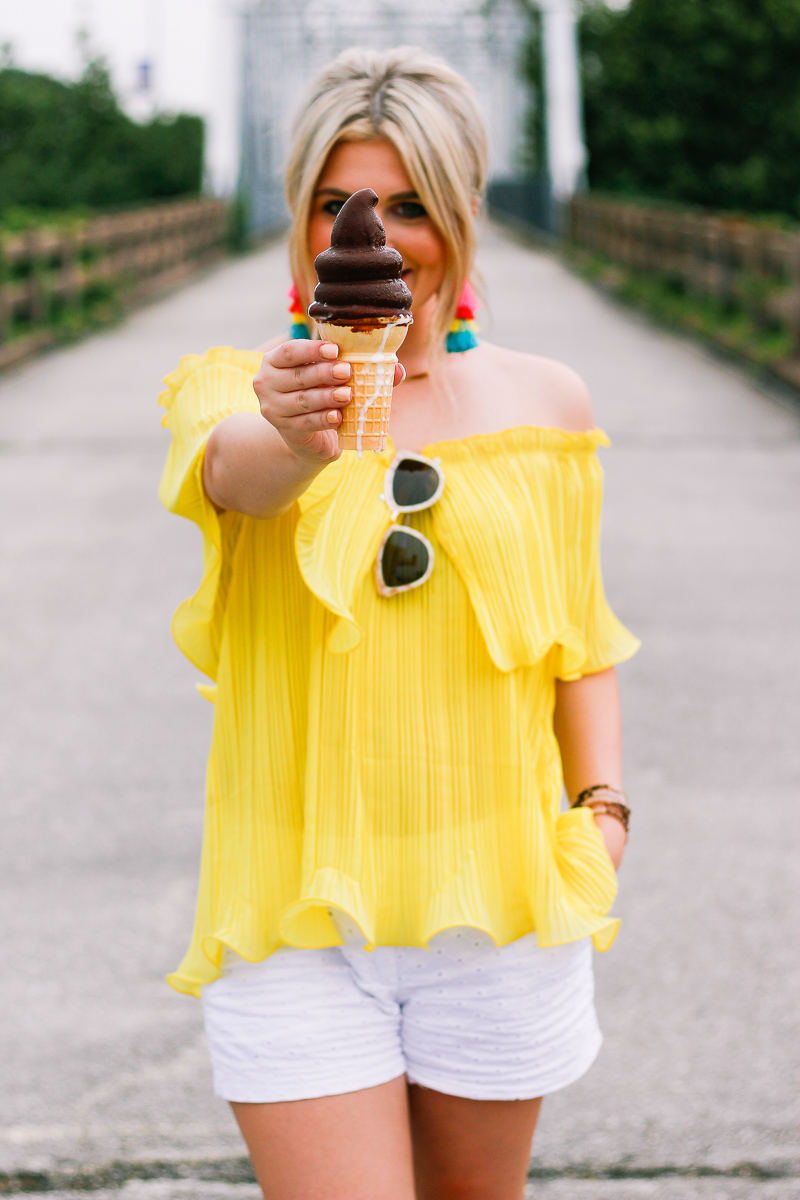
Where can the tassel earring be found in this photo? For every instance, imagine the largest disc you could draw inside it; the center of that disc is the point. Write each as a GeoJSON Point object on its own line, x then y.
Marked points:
{"type": "Point", "coordinates": [461, 336]}
{"type": "Point", "coordinates": [299, 326]}
{"type": "Point", "coordinates": [463, 331]}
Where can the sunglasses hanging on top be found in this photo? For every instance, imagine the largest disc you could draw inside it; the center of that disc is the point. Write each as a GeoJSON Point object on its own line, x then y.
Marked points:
{"type": "Point", "coordinates": [405, 557]}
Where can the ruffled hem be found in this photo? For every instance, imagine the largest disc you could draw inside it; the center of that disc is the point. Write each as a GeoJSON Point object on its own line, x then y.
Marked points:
{"type": "Point", "coordinates": [190, 980]}
{"type": "Point", "coordinates": [201, 392]}
{"type": "Point", "coordinates": [578, 658]}
{"type": "Point", "coordinates": [226, 355]}
{"type": "Point", "coordinates": [342, 520]}
{"type": "Point", "coordinates": [567, 901]}
{"type": "Point", "coordinates": [519, 519]}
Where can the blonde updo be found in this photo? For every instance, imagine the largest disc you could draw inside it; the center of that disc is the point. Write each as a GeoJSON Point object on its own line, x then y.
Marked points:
{"type": "Point", "coordinates": [432, 118]}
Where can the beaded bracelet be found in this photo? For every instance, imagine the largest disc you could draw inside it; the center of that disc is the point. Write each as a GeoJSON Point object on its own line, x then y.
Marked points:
{"type": "Point", "coordinates": [609, 808]}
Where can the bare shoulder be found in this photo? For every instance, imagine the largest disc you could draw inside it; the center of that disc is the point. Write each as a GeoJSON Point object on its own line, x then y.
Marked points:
{"type": "Point", "coordinates": [546, 392]}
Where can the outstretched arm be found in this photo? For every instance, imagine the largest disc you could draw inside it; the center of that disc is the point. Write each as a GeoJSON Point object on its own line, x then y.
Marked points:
{"type": "Point", "coordinates": [589, 732]}
{"type": "Point", "coordinates": [259, 465]}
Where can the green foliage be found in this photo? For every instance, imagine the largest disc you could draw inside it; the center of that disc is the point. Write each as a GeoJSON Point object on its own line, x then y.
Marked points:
{"type": "Point", "coordinates": [696, 101]}
{"type": "Point", "coordinates": [18, 218]}
{"type": "Point", "coordinates": [731, 326]}
{"type": "Point", "coordinates": [64, 145]}
{"type": "Point", "coordinates": [237, 225]}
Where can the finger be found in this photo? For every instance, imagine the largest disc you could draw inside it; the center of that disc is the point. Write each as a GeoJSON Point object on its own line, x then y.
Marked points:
{"type": "Point", "coordinates": [307, 376]}
{"type": "Point", "coordinates": [298, 351]}
{"type": "Point", "coordinates": [314, 400]}
{"type": "Point", "coordinates": [300, 427]}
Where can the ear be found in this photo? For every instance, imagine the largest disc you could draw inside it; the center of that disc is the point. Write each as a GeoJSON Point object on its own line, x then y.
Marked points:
{"type": "Point", "coordinates": [475, 205]}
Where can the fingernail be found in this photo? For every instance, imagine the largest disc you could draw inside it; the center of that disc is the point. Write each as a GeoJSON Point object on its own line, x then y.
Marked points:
{"type": "Point", "coordinates": [333, 416]}
{"type": "Point", "coordinates": [329, 350]}
{"type": "Point", "coordinates": [342, 394]}
{"type": "Point", "coordinates": [341, 370]}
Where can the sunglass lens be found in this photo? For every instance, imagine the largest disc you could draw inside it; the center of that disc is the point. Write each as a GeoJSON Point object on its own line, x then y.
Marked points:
{"type": "Point", "coordinates": [414, 483]}
{"type": "Point", "coordinates": [405, 559]}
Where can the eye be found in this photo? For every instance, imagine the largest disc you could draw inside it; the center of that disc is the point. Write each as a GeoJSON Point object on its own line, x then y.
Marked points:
{"type": "Point", "coordinates": [410, 210]}
{"type": "Point", "coordinates": [334, 207]}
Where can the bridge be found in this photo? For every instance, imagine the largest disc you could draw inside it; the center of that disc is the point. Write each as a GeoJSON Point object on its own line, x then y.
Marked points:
{"type": "Point", "coordinates": [104, 741]}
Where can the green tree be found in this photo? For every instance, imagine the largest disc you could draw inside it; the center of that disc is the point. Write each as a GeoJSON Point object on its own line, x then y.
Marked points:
{"type": "Point", "coordinates": [695, 101]}
{"type": "Point", "coordinates": [63, 145]}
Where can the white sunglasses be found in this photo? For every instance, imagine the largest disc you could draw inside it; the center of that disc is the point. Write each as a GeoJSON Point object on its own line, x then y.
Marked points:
{"type": "Point", "coordinates": [405, 557]}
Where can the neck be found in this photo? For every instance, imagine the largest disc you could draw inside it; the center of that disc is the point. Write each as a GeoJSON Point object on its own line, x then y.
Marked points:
{"type": "Point", "coordinates": [414, 353]}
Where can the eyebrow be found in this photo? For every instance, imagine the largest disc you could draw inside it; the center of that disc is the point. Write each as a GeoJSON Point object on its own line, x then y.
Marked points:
{"type": "Point", "coordinates": [393, 199]}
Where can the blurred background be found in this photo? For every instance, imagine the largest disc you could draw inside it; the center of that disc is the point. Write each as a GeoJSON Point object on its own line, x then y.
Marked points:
{"type": "Point", "coordinates": [643, 226]}
{"type": "Point", "coordinates": [663, 112]}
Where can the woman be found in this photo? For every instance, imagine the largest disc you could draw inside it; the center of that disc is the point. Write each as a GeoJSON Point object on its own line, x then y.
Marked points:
{"type": "Point", "coordinates": [394, 921]}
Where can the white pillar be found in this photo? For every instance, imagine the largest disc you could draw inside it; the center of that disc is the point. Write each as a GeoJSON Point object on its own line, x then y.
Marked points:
{"type": "Point", "coordinates": [566, 150]}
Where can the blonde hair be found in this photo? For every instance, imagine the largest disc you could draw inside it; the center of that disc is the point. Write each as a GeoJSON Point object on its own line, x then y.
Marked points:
{"type": "Point", "coordinates": [432, 118]}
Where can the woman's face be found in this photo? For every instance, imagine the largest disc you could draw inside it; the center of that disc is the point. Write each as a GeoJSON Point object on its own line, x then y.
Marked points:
{"type": "Point", "coordinates": [355, 165]}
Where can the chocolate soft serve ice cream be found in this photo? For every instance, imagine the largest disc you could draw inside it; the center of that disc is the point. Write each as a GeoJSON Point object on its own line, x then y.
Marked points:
{"type": "Point", "coordinates": [359, 277]}
{"type": "Point", "coordinates": [362, 305]}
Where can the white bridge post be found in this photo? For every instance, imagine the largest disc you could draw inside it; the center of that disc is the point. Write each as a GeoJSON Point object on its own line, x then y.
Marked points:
{"type": "Point", "coordinates": [566, 149]}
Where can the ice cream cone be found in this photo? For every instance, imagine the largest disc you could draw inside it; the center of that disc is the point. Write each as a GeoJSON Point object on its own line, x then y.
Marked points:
{"type": "Point", "coordinates": [370, 347]}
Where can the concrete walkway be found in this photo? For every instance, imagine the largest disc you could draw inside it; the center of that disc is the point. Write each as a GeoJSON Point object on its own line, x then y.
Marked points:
{"type": "Point", "coordinates": [104, 741]}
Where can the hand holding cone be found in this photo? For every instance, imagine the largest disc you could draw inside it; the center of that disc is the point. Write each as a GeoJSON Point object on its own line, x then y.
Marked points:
{"type": "Point", "coordinates": [362, 305]}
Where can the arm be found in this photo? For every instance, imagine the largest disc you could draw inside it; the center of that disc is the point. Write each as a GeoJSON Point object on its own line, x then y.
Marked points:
{"type": "Point", "coordinates": [589, 732]}
{"type": "Point", "coordinates": [259, 465]}
{"type": "Point", "coordinates": [250, 469]}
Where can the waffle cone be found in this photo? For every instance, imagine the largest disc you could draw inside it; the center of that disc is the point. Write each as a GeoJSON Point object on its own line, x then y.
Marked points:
{"type": "Point", "coordinates": [371, 352]}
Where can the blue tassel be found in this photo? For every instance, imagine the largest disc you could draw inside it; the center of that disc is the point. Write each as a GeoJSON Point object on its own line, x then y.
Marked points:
{"type": "Point", "coordinates": [458, 341]}
{"type": "Point", "coordinates": [460, 338]}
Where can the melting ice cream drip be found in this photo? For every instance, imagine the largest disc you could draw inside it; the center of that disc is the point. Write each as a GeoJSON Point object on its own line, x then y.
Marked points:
{"type": "Point", "coordinates": [380, 378]}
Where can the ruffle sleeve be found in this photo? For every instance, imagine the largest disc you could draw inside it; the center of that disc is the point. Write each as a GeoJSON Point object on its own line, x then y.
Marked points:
{"type": "Point", "coordinates": [520, 519]}
{"type": "Point", "coordinates": [343, 518]}
{"type": "Point", "coordinates": [199, 394]}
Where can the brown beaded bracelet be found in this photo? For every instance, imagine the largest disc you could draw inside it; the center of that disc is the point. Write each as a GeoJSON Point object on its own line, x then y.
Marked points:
{"type": "Point", "coordinates": [609, 808]}
{"type": "Point", "coordinates": [587, 793]}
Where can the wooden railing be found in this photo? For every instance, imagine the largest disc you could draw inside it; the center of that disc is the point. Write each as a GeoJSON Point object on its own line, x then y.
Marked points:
{"type": "Point", "coordinates": [46, 274]}
{"type": "Point", "coordinates": [747, 265]}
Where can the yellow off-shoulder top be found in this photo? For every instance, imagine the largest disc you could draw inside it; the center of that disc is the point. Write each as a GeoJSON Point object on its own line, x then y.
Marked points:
{"type": "Point", "coordinates": [392, 759]}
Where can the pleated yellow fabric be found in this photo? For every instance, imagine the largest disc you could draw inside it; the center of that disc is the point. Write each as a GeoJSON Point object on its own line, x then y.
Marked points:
{"type": "Point", "coordinates": [392, 759]}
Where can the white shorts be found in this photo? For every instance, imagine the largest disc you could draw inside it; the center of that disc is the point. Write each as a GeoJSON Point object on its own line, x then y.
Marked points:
{"type": "Point", "coordinates": [464, 1017]}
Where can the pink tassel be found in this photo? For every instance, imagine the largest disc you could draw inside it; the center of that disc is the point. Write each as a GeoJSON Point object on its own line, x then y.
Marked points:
{"type": "Point", "coordinates": [467, 303]}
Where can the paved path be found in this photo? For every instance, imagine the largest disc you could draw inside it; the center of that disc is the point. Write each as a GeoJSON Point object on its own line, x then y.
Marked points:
{"type": "Point", "coordinates": [104, 738]}
{"type": "Point", "coordinates": [659, 1189]}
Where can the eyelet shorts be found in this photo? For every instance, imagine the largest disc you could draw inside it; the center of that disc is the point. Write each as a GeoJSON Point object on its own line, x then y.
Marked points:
{"type": "Point", "coordinates": [464, 1017]}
